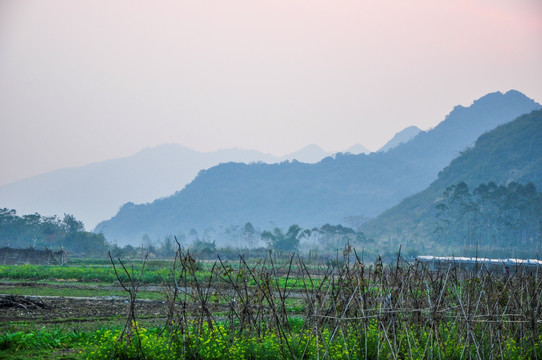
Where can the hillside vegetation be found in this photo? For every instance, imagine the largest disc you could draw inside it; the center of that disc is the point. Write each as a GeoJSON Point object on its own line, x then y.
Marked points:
{"type": "Point", "coordinates": [509, 155]}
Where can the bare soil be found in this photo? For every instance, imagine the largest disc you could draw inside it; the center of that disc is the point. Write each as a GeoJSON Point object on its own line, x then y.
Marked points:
{"type": "Point", "coordinates": [53, 309]}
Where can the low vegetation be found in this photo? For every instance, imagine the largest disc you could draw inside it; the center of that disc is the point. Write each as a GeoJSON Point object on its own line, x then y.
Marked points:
{"type": "Point", "coordinates": [290, 308]}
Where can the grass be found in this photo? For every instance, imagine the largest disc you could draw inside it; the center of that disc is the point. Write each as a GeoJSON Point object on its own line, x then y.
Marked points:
{"type": "Point", "coordinates": [41, 344]}
{"type": "Point", "coordinates": [85, 271]}
{"type": "Point", "coordinates": [75, 292]}
{"type": "Point", "coordinates": [82, 273]}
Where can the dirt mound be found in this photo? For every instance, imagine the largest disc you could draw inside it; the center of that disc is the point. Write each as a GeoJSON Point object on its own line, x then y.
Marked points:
{"type": "Point", "coordinates": [24, 302]}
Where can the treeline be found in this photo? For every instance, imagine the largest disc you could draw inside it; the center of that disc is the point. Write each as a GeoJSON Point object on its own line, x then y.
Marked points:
{"type": "Point", "coordinates": [322, 242]}
{"type": "Point", "coordinates": [35, 230]}
{"type": "Point", "coordinates": [497, 219]}
{"type": "Point", "coordinates": [327, 238]}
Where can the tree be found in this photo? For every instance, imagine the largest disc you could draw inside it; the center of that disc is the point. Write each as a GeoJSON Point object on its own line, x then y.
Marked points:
{"type": "Point", "coordinates": [208, 234]}
{"type": "Point", "coordinates": [277, 240]}
{"type": "Point", "coordinates": [499, 218]}
{"type": "Point", "coordinates": [356, 221]}
{"type": "Point", "coordinates": [72, 225]}
{"type": "Point", "coordinates": [233, 234]}
{"type": "Point", "coordinates": [193, 235]}
{"type": "Point", "coordinates": [456, 214]}
{"type": "Point", "coordinates": [203, 248]}
{"type": "Point", "coordinates": [249, 234]}
{"type": "Point", "coordinates": [336, 236]}
{"type": "Point", "coordinates": [167, 248]}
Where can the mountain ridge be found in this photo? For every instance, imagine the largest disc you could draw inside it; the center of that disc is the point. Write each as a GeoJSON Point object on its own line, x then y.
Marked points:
{"type": "Point", "coordinates": [312, 194]}
{"type": "Point", "coordinates": [95, 191]}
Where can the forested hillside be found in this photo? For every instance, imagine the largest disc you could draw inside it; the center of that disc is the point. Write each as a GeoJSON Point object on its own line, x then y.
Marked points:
{"type": "Point", "coordinates": [480, 199]}
{"type": "Point", "coordinates": [315, 194]}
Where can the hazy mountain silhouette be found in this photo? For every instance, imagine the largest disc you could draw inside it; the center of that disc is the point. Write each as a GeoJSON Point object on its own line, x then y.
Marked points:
{"type": "Point", "coordinates": [357, 149]}
{"type": "Point", "coordinates": [309, 154]}
{"type": "Point", "coordinates": [313, 194]}
{"type": "Point", "coordinates": [511, 152]}
{"type": "Point", "coordinates": [96, 191]}
{"type": "Point", "coordinates": [401, 137]}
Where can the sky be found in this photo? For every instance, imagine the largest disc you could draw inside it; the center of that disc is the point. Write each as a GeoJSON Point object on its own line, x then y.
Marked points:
{"type": "Point", "coordinates": [90, 80]}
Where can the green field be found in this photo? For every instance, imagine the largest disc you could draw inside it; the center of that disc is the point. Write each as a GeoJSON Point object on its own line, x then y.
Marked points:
{"type": "Point", "coordinates": [266, 309]}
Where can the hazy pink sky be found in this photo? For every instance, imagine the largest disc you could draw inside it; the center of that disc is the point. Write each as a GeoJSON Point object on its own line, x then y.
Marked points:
{"type": "Point", "coordinates": [88, 80]}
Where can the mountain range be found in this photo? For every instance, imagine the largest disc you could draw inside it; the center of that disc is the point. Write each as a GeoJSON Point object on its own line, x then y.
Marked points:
{"type": "Point", "coordinates": [510, 153]}
{"type": "Point", "coordinates": [96, 191]}
{"type": "Point", "coordinates": [335, 189]}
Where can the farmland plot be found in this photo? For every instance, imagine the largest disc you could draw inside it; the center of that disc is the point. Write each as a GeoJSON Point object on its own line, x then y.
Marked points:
{"type": "Point", "coordinates": [290, 309]}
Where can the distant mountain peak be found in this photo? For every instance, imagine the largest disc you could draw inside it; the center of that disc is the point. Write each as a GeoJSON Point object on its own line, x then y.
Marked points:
{"type": "Point", "coordinates": [401, 137]}
{"type": "Point", "coordinates": [357, 149]}
{"type": "Point", "coordinates": [312, 147]}
{"type": "Point", "coordinates": [498, 95]}
{"type": "Point", "coordinates": [311, 153]}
